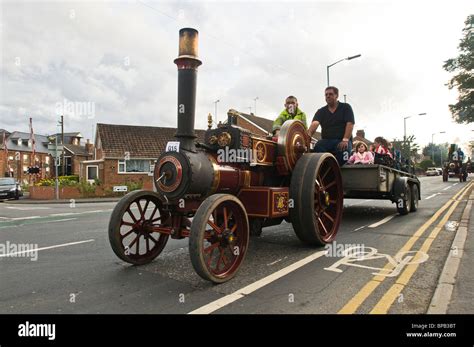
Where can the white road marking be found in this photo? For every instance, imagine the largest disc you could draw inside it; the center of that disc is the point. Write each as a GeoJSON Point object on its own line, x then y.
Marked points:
{"type": "Point", "coordinates": [431, 196]}
{"type": "Point", "coordinates": [49, 247]}
{"type": "Point", "coordinates": [276, 261]}
{"type": "Point", "coordinates": [27, 208]}
{"type": "Point", "coordinates": [228, 299]}
{"type": "Point", "coordinates": [383, 221]}
{"type": "Point", "coordinates": [358, 203]}
{"type": "Point", "coordinates": [21, 218]}
{"type": "Point", "coordinates": [447, 187]}
{"type": "Point", "coordinates": [357, 229]}
{"type": "Point", "coordinates": [56, 215]}
{"type": "Point", "coordinates": [61, 220]}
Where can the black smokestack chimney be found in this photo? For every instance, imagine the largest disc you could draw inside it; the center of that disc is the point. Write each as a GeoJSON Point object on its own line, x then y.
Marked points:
{"type": "Point", "coordinates": [187, 63]}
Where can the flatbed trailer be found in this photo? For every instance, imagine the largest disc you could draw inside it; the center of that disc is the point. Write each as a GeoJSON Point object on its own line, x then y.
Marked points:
{"type": "Point", "coordinates": [376, 181]}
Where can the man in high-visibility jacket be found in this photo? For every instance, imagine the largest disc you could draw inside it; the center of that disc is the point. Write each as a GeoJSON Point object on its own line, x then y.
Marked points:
{"type": "Point", "coordinates": [291, 111]}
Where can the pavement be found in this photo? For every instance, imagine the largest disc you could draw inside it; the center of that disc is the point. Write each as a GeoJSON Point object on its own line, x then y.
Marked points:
{"type": "Point", "coordinates": [76, 271]}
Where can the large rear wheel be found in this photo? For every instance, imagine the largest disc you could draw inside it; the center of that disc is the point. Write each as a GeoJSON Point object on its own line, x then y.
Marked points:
{"type": "Point", "coordinates": [318, 203]}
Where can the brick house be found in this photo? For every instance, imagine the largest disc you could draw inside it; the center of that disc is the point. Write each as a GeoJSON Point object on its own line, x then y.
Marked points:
{"type": "Point", "coordinates": [20, 152]}
{"type": "Point", "coordinates": [74, 153]}
{"type": "Point", "coordinates": [126, 154]}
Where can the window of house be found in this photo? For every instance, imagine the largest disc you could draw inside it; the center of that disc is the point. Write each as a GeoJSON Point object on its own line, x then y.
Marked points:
{"type": "Point", "coordinates": [25, 157]}
{"type": "Point", "coordinates": [92, 173]}
{"type": "Point", "coordinates": [134, 166]}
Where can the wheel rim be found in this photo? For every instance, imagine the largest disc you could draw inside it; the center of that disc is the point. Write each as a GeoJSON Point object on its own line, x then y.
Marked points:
{"type": "Point", "coordinates": [224, 239]}
{"type": "Point", "coordinates": [137, 238]}
{"type": "Point", "coordinates": [327, 200]}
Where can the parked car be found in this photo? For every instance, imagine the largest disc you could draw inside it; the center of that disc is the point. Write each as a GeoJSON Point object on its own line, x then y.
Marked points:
{"type": "Point", "coordinates": [432, 172]}
{"type": "Point", "coordinates": [440, 170]}
{"type": "Point", "coordinates": [9, 188]}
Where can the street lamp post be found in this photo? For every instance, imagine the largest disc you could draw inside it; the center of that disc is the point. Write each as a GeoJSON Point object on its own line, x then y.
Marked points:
{"type": "Point", "coordinates": [405, 136]}
{"type": "Point", "coordinates": [256, 98]}
{"type": "Point", "coordinates": [215, 108]}
{"type": "Point", "coordinates": [348, 58]}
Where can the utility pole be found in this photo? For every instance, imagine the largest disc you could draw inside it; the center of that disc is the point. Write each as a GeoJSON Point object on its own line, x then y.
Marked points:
{"type": "Point", "coordinates": [62, 142]}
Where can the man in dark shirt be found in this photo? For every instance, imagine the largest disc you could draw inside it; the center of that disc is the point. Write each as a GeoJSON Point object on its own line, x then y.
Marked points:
{"type": "Point", "coordinates": [337, 122]}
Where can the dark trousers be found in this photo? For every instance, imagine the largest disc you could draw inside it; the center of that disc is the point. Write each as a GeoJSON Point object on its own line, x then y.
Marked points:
{"type": "Point", "coordinates": [330, 145]}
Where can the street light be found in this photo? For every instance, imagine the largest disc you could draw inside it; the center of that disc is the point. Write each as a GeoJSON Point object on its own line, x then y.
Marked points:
{"type": "Point", "coordinates": [215, 107]}
{"type": "Point", "coordinates": [255, 104]}
{"type": "Point", "coordinates": [405, 125]}
{"type": "Point", "coordinates": [405, 136]}
{"type": "Point", "coordinates": [348, 58]}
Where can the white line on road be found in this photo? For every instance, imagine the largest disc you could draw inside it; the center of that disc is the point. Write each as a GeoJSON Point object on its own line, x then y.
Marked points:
{"type": "Point", "coordinates": [228, 299]}
{"type": "Point", "coordinates": [431, 196]}
{"type": "Point", "coordinates": [383, 221]}
{"type": "Point", "coordinates": [357, 203]}
{"type": "Point", "coordinates": [56, 215]}
{"type": "Point", "coordinates": [61, 220]}
{"type": "Point", "coordinates": [448, 187]}
{"type": "Point", "coordinates": [27, 208]}
{"type": "Point", "coordinates": [357, 229]}
{"type": "Point", "coordinates": [49, 247]}
{"type": "Point", "coordinates": [21, 218]}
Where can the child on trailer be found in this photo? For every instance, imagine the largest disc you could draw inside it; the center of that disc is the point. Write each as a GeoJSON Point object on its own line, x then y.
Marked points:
{"type": "Point", "coordinates": [361, 155]}
{"type": "Point", "coordinates": [381, 146]}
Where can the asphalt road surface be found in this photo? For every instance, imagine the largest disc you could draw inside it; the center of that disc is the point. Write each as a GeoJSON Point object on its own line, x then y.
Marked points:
{"type": "Point", "coordinates": [75, 270]}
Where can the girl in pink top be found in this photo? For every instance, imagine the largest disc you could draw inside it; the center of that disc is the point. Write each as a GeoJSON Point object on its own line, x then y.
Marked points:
{"type": "Point", "coordinates": [361, 155]}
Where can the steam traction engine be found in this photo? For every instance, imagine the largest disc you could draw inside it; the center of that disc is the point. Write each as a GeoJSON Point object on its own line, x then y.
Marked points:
{"type": "Point", "coordinates": [455, 167]}
{"type": "Point", "coordinates": [219, 200]}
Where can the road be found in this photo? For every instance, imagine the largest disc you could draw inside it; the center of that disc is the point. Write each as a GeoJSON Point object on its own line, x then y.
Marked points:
{"type": "Point", "coordinates": [77, 272]}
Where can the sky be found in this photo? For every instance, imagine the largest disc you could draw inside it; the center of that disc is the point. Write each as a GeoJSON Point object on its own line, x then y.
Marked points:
{"type": "Point", "coordinates": [112, 62]}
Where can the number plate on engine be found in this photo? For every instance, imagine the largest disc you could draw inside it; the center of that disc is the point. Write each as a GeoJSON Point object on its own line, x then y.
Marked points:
{"type": "Point", "coordinates": [172, 146]}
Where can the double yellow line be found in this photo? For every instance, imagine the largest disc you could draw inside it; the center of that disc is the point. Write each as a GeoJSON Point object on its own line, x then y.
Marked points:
{"type": "Point", "coordinates": [384, 304]}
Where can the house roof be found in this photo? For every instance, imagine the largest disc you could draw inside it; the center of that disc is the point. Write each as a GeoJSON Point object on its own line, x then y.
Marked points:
{"type": "Point", "coordinates": [41, 142]}
{"type": "Point", "coordinates": [363, 139]}
{"type": "Point", "coordinates": [264, 123]}
{"type": "Point", "coordinates": [267, 124]}
{"type": "Point", "coordinates": [77, 150]}
{"type": "Point", "coordinates": [138, 141]}
{"type": "Point", "coordinates": [68, 137]}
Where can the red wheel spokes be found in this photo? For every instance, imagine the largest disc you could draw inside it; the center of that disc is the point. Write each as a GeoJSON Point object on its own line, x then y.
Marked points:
{"type": "Point", "coordinates": [140, 226]}
{"type": "Point", "coordinates": [223, 236]}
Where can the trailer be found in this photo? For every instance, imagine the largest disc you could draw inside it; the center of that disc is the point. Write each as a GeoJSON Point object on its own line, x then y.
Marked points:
{"type": "Point", "coordinates": [376, 181]}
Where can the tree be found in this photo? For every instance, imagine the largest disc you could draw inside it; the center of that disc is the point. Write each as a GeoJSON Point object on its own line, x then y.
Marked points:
{"type": "Point", "coordinates": [439, 151]}
{"type": "Point", "coordinates": [463, 66]}
{"type": "Point", "coordinates": [408, 148]}
{"type": "Point", "coordinates": [425, 164]}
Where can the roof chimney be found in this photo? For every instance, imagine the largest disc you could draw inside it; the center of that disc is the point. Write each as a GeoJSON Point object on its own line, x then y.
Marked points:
{"type": "Point", "coordinates": [360, 133]}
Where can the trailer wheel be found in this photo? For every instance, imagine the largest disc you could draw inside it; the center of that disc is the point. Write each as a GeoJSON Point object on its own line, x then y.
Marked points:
{"type": "Point", "coordinates": [319, 201]}
{"type": "Point", "coordinates": [219, 238]}
{"type": "Point", "coordinates": [404, 203]}
{"type": "Point", "coordinates": [130, 223]}
{"type": "Point", "coordinates": [414, 198]}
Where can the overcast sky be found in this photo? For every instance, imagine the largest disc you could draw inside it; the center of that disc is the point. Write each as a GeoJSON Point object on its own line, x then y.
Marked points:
{"type": "Point", "coordinates": [112, 62]}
